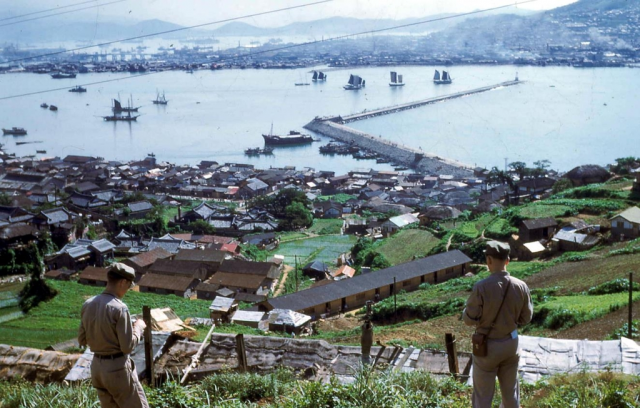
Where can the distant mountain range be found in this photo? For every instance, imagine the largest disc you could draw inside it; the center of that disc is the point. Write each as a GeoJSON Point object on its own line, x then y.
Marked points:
{"type": "Point", "coordinates": [53, 30]}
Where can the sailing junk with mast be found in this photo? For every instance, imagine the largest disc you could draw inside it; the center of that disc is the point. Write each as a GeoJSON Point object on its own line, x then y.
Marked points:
{"type": "Point", "coordinates": [355, 83]}
{"type": "Point", "coordinates": [118, 109]}
{"type": "Point", "coordinates": [446, 79]}
{"type": "Point", "coordinates": [318, 76]}
{"type": "Point", "coordinates": [396, 80]}
{"type": "Point", "coordinates": [160, 99]}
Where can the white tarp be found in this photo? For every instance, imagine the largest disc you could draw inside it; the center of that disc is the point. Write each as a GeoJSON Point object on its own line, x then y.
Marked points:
{"type": "Point", "coordinates": [541, 356]}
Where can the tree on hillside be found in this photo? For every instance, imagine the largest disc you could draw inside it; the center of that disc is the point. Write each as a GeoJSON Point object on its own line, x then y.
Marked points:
{"type": "Point", "coordinates": [297, 216]}
{"type": "Point", "coordinates": [36, 290]}
{"type": "Point", "coordinates": [541, 167]}
{"type": "Point", "coordinates": [497, 176]}
{"type": "Point", "coordinates": [200, 227]}
{"type": "Point", "coordinates": [520, 168]}
{"type": "Point", "coordinates": [277, 204]}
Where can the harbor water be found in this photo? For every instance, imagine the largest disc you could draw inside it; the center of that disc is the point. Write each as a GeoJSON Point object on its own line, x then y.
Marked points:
{"type": "Point", "coordinates": [566, 115]}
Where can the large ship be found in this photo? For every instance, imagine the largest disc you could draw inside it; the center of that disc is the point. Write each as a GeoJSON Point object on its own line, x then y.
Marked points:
{"type": "Point", "coordinates": [355, 83]}
{"type": "Point", "coordinates": [396, 80]}
{"type": "Point", "coordinates": [160, 99]}
{"type": "Point", "coordinates": [445, 79]}
{"type": "Point", "coordinates": [293, 137]}
{"type": "Point", "coordinates": [318, 76]}
{"type": "Point", "coordinates": [16, 131]}
{"type": "Point", "coordinates": [63, 75]}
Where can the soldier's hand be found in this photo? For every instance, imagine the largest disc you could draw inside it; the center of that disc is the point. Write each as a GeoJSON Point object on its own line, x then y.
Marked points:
{"type": "Point", "coordinates": [140, 324]}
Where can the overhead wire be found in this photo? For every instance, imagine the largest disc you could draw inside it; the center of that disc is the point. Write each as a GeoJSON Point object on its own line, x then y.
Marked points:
{"type": "Point", "coordinates": [271, 50]}
{"type": "Point", "coordinates": [168, 31]}
{"type": "Point", "coordinates": [47, 10]}
{"type": "Point", "coordinates": [62, 12]}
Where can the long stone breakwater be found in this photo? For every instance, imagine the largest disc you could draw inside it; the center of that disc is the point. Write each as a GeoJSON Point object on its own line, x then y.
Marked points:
{"type": "Point", "coordinates": [398, 108]}
{"type": "Point", "coordinates": [334, 127]}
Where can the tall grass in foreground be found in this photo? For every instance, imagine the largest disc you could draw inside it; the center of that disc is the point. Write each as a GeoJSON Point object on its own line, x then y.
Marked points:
{"type": "Point", "coordinates": [284, 389]}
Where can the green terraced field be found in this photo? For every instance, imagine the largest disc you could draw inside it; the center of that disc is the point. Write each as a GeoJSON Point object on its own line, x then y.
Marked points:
{"type": "Point", "coordinates": [325, 248]}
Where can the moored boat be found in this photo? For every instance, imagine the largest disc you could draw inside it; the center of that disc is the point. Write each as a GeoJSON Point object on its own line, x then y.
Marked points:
{"type": "Point", "coordinates": [119, 118]}
{"type": "Point", "coordinates": [160, 99]}
{"type": "Point", "coordinates": [16, 131]}
{"type": "Point", "coordinates": [63, 75]}
{"type": "Point", "coordinates": [78, 88]}
{"type": "Point", "coordinates": [294, 137]}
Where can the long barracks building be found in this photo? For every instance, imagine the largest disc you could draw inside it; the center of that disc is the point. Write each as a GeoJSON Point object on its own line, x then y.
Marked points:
{"type": "Point", "coordinates": [350, 294]}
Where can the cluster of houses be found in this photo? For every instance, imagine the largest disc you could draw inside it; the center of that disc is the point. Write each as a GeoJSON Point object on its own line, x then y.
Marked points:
{"type": "Point", "coordinates": [65, 197]}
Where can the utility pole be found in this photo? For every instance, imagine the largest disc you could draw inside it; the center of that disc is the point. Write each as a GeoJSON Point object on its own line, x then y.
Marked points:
{"type": "Point", "coordinates": [630, 322]}
{"type": "Point", "coordinates": [295, 271]}
{"type": "Point", "coordinates": [395, 303]}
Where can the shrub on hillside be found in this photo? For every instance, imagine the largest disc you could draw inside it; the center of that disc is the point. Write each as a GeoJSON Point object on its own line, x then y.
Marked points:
{"type": "Point", "coordinates": [384, 311]}
{"type": "Point", "coordinates": [500, 229]}
{"type": "Point", "coordinates": [614, 286]}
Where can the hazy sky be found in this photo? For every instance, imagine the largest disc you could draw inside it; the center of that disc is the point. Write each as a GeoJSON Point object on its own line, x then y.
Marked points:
{"type": "Point", "coordinates": [191, 12]}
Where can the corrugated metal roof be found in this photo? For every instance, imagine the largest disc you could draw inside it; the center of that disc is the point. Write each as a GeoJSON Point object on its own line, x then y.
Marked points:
{"type": "Point", "coordinates": [631, 214]}
{"type": "Point", "coordinates": [362, 283]}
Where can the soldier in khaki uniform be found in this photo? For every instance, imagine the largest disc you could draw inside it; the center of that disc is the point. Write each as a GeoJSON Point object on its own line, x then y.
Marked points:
{"type": "Point", "coordinates": [106, 327]}
{"type": "Point", "coordinates": [483, 306]}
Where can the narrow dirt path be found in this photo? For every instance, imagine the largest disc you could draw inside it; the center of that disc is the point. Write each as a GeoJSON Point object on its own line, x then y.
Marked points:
{"type": "Point", "coordinates": [449, 242]}
{"type": "Point", "coordinates": [283, 279]}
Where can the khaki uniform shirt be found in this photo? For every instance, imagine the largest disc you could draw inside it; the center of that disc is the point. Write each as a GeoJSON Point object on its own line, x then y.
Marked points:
{"type": "Point", "coordinates": [484, 302]}
{"type": "Point", "coordinates": [106, 326]}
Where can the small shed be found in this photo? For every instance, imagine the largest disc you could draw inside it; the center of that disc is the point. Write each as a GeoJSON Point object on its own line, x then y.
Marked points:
{"type": "Point", "coordinates": [345, 271]}
{"type": "Point", "coordinates": [627, 223]}
{"type": "Point", "coordinates": [316, 269]}
{"type": "Point", "coordinates": [569, 239]}
{"type": "Point", "coordinates": [222, 308]}
{"type": "Point", "coordinates": [250, 319]}
{"type": "Point", "coordinates": [531, 250]}
{"type": "Point", "coordinates": [537, 229]}
{"type": "Point", "coordinates": [400, 221]}
{"type": "Point", "coordinates": [288, 321]}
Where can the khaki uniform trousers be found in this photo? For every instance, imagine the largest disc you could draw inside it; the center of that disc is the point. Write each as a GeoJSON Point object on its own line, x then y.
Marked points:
{"type": "Point", "coordinates": [117, 383]}
{"type": "Point", "coordinates": [501, 361]}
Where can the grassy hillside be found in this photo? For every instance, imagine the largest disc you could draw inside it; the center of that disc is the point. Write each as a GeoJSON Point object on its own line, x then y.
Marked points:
{"type": "Point", "coordinates": [370, 389]}
{"type": "Point", "coordinates": [58, 320]}
{"type": "Point", "coordinates": [407, 244]}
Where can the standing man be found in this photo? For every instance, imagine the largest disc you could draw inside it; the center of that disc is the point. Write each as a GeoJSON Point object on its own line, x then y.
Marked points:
{"type": "Point", "coordinates": [106, 327]}
{"type": "Point", "coordinates": [498, 319]}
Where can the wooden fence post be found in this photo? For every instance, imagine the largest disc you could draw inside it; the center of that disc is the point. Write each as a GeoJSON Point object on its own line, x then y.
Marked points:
{"type": "Point", "coordinates": [452, 353]}
{"type": "Point", "coordinates": [630, 323]}
{"type": "Point", "coordinates": [148, 346]}
{"type": "Point", "coordinates": [242, 353]}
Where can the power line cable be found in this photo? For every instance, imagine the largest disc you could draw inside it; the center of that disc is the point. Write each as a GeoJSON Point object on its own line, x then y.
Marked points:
{"type": "Point", "coordinates": [62, 12]}
{"type": "Point", "coordinates": [47, 10]}
{"type": "Point", "coordinates": [169, 31]}
{"type": "Point", "coordinates": [277, 49]}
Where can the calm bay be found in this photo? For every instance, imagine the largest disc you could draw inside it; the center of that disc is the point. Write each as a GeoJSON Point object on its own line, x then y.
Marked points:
{"type": "Point", "coordinates": [566, 115]}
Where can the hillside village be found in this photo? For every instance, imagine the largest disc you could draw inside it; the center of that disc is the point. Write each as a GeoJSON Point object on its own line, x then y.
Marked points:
{"type": "Point", "coordinates": [196, 232]}
{"type": "Point", "coordinates": [218, 237]}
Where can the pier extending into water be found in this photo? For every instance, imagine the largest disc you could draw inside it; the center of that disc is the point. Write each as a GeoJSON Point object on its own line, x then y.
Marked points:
{"type": "Point", "coordinates": [334, 127]}
{"type": "Point", "coordinates": [405, 106]}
